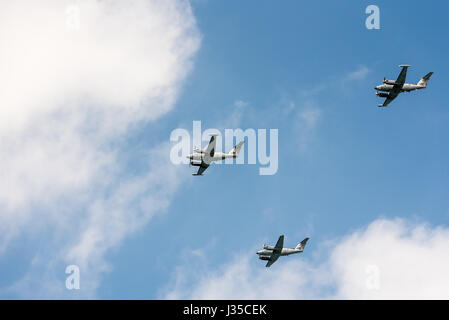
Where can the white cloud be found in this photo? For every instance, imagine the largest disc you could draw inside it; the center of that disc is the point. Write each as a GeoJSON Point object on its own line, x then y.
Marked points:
{"type": "Point", "coordinates": [310, 116]}
{"type": "Point", "coordinates": [338, 82]}
{"type": "Point", "coordinates": [412, 261]}
{"type": "Point", "coordinates": [311, 110]}
{"type": "Point", "coordinates": [358, 74]}
{"type": "Point", "coordinates": [233, 119]}
{"type": "Point", "coordinates": [389, 259]}
{"type": "Point", "coordinates": [68, 97]}
{"type": "Point", "coordinates": [305, 124]}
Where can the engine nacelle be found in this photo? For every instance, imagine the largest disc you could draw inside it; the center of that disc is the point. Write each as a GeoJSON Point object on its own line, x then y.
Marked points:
{"type": "Point", "coordinates": [389, 81]}
{"type": "Point", "coordinates": [195, 164]}
{"type": "Point", "coordinates": [264, 258]}
{"type": "Point", "coordinates": [268, 247]}
{"type": "Point", "coordinates": [382, 94]}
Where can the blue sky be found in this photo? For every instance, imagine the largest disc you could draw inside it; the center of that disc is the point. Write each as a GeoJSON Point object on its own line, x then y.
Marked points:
{"type": "Point", "coordinates": [353, 164]}
{"type": "Point", "coordinates": [361, 163]}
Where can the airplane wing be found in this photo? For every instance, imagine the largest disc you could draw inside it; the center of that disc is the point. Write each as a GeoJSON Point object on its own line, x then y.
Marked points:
{"type": "Point", "coordinates": [392, 95]}
{"type": "Point", "coordinates": [397, 86]}
{"type": "Point", "coordinates": [401, 78]}
{"type": "Point", "coordinates": [202, 168]}
{"type": "Point", "coordinates": [272, 260]}
{"type": "Point", "coordinates": [279, 245]}
{"type": "Point", "coordinates": [276, 252]}
{"type": "Point", "coordinates": [210, 150]}
{"type": "Point", "coordinates": [208, 154]}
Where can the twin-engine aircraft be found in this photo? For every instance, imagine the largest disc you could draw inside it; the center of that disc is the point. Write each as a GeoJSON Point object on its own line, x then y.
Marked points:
{"type": "Point", "coordinates": [202, 158]}
{"type": "Point", "coordinates": [394, 88]}
{"type": "Point", "coordinates": [271, 254]}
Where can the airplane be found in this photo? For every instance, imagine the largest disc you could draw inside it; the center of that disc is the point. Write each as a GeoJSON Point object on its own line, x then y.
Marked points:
{"type": "Point", "coordinates": [271, 254]}
{"type": "Point", "coordinates": [202, 158]}
{"type": "Point", "coordinates": [394, 88]}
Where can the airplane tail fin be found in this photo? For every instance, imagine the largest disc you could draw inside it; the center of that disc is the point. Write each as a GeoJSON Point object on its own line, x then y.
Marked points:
{"type": "Point", "coordinates": [302, 244]}
{"type": "Point", "coordinates": [424, 80]}
{"type": "Point", "coordinates": [235, 151]}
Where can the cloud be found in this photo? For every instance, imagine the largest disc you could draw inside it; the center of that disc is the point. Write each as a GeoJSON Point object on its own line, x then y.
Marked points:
{"type": "Point", "coordinates": [335, 82]}
{"type": "Point", "coordinates": [358, 74]}
{"type": "Point", "coordinates": [389, 259]}
{"type": "Point", "coordinates": [85, 233]}
{"type": "Point", "coordinates": [310, 116]}
{"type": "Point", "coordinates": [74, 81]}
{"type": "Point", "coordinates": [311, 109]}
{"type": "Point", "coordinates": [305, 124]}
{"type": "Point", "coordinates": [234, 118]}
{"type": "Point", "coordinates": [409, 259]}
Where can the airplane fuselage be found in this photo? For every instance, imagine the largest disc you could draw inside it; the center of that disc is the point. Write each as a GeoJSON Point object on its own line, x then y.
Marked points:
{"type": "Point", "coordinates": [284, 252]}
{"type": "Point", "coordinates": [405, 88]}
{"type": "Point", "coordinates": [218, 156]}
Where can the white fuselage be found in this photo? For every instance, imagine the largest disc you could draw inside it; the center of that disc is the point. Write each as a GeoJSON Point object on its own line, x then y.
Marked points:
{"type": "Point", "coordinates": [218, 156]}
{"type": "Point", "coordinates": [284, 252]}
{"type": "Point", "coordinates": [405, 88]}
